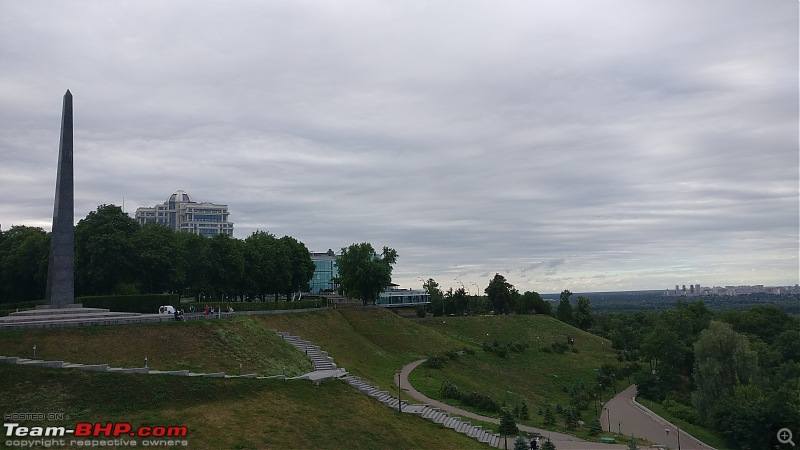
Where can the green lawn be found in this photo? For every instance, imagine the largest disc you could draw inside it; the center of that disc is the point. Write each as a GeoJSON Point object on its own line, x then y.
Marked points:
{"type": "Point", "coordinates": [224, 413]}
{"type": "Point", "coordinates": [532, 375]}
{"type": "Point", "coordinates": [371, 343]}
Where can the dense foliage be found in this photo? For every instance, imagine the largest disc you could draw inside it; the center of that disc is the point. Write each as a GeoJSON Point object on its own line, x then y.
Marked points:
{"type": "Point", "coordinates": [364, 274]}
{"type": "Point", "coordinates": [734, 372]}
{"type": "Point", "coordinates": [115, 255]}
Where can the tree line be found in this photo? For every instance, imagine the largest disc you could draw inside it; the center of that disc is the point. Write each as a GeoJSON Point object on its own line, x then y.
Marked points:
{"type": "Point", "coordinates": [116, 255]}
{"type": "Point", "coordinates": [734, 372]}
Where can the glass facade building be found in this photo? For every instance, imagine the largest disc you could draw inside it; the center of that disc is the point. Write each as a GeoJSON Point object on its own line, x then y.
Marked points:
{"type": "Point", "coordinates": [393, 297]}
{"type": "Point", "coordinates": [181, 213]}
{"type": "Point", "coordinates": [325, 271]}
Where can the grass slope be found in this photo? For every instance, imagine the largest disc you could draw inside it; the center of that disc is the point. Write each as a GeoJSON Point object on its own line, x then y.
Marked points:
{"type": "Point", "coordinates": [535, 376]}
{"type": "Point", "coordinates": [224, 413]}
{"type": "Point", "coordinates": [201, 346]}
{"type": "Point", "coordinates": [372, 343]}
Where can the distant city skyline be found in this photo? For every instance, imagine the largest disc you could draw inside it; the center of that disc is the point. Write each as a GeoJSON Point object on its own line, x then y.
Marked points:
{"type": "Point", "coordinates": [589, 146]}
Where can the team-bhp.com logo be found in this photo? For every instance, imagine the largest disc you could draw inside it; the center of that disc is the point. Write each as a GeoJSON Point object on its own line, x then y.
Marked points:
{"type": "Point", "coordinates": [115, 430]}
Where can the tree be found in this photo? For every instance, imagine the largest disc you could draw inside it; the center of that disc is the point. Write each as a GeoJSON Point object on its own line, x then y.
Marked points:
{"type": "Point", "coordinates": [301, 267]}
{"type": "Point", "coordinates": [499, 293]}
{"type": "Point", "coordinates": [436, 296]}
{"type": "Point", "coordinates": [723, 361]}
{"type": "Point", "coordinates": [507, 426]}
{"type": "Point", "coordinates": [24, 252]}
{"type": "Point", "coordinates": [520, 443]}
{"type": "Point", "coordinates": [225, 256]}
{"type": "Point", "coordinates": [156, 265]}
{"type": "Point", "coordinates": [104, 252]}
{"type": "Point", "coordinates": [363, 273]}
{"type": "Point", "coordinates": [583, 316]}
{"type": "Point", "coordinates": [548, 445]}
{"type": "Point", "coordinates": [564, 310]}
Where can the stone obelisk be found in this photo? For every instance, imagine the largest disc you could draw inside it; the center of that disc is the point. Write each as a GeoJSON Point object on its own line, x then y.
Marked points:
{"type": "Point", "coordinates": [61, 266]}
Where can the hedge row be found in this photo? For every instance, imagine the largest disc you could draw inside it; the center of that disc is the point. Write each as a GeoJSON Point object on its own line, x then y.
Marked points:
{"type": "Point", "coordinates": [146, 304]}
{"type": "Point", "coordinates": [259, 306]}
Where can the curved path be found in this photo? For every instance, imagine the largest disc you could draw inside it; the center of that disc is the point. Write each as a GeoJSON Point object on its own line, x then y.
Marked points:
{"type": "Point", "coordinates": [561, 440]}
{"type": "Point", "coordinates": [624, 415]}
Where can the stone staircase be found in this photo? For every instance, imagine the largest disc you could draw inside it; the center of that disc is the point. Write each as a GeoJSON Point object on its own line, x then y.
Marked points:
{"type": "Point", "coordinates": [426, 412]}
{"type": "Point", "coordinates": [74, 316]}
{"type": "Point", "coordinates": [322, 362]}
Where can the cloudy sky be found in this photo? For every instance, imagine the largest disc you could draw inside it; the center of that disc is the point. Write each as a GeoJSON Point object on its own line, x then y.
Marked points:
{"type": "Point", "coordinates": [585, 145]}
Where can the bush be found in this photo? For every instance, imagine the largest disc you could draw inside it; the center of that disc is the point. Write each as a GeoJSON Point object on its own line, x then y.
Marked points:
{"type": "Point", "coordinates": [481, 401]}
{"type": "Point", "coordinates": [448, 390]}
{"type": "Point", "coordinates": [421, 313]}
{"type": "Point", "coordinates": [435, 362]}
{"type": "Point", "coordinates": [468, 350]}
{"type": "Point", "coordinates": [559, 347]}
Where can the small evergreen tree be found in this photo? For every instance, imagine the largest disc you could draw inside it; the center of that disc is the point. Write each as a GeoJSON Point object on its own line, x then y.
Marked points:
{"type": "Point", "coordinates": [549, 415]}
{"type": "Point", "coordinates": [595, 428]}
{"type": "Point", "coordinates": [571, 417]}
{"type": "Point", "coordinates": [548, 445]}
{"type": "Point", "coordinates": [524, 414]}
{"type": "Point", "coordinates": [520, 443]}
{"type": "Point", "coordinates": [632, 444]}
{"type": "Point", "coordinates": [507, 426]}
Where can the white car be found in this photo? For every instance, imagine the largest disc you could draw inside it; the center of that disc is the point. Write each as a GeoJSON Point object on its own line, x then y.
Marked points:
{"type": "Point", "coordinates": [167, 309]}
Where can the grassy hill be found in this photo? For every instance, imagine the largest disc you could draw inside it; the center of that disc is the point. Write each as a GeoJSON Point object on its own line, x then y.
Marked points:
{"type": "Point", "coordinates": [370, 343]}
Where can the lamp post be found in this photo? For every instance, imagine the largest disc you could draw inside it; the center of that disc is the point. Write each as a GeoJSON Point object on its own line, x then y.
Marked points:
{"type": "Point", "coordinates": [399, 401]}
{"type": "Point", "coordinates": [477, 288]}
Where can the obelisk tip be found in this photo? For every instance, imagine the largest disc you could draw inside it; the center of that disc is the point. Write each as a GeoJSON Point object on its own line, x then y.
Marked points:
{"type": "Point", "coordinates": [68, 94]}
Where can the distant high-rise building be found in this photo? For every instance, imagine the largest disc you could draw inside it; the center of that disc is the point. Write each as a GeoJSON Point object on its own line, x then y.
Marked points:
{"type": "Point", "coordinates": [181, 213]}
{"type": "Point", "coordinates": [691, 289]}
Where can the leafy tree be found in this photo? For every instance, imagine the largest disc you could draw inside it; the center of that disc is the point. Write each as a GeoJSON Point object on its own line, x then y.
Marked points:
{"type": "Point", "coordinates": [24, 253]}
{"type": "Point", "coordinates": [300, 264]}
{"type": "Point", "coordinates": [564, 310]}
{"type": "Point", "coordinates": [436, 296]}
{"type": "Point", "coordinates": [499, 293]}
{"type": "Point", "coordinates": [723, 360]}
{"type": "Point", "coordinates": [583, 316]}
{"type": "Point", "coordinates": [363, 273]}
{"type": "Point", "coordinates": [104, 252]}
{"type": "Point", "coordinates": [156, 265]}
{"type": "Point", "coordinates": [225, 256]}
{"type": "Point", "coordinates": [507, 426]}
{"type": "Point", "coordinates": [192, 267]}
{"type": "Point", "coordinates": [664, 345]}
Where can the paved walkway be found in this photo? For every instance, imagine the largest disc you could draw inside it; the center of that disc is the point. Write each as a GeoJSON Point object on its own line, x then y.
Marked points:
{"type": "Point", "coordinates": [561, 440]}
{"type": "Point", "coordinates": [624, 415]}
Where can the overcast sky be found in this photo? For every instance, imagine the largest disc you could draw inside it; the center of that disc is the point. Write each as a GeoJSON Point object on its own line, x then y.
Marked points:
{"type": "Point", "coordinates": [582, 145]}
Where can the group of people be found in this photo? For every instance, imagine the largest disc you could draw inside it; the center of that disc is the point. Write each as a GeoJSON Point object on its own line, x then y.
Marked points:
{"type": "Point", "coordinates": [210, 310]}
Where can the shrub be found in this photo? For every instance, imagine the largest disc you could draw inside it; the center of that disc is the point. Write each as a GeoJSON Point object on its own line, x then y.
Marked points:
{"type": "Point", "coordinates": [481, 401]}
{"type": "Point", "coordinates": [421, 313]}
{"type": "Point", "coordinates": [559, 347]}
{"type": "Point", "coordinates": [448, 390]}
{"type": "Point", "coordinates": [468, 350]}
{"type": "Point", "coordinates": [435, 362]}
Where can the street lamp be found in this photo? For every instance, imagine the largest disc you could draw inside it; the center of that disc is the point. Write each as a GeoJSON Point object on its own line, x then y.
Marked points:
{"type": "Point", "coordinates": [399, 401]}
{"type": "Point", "coordinates": [477, 288]}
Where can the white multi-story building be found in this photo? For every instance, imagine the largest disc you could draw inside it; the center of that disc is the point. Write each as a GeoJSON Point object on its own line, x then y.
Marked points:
{"type": "Point", "coordinates": [181, 213]}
